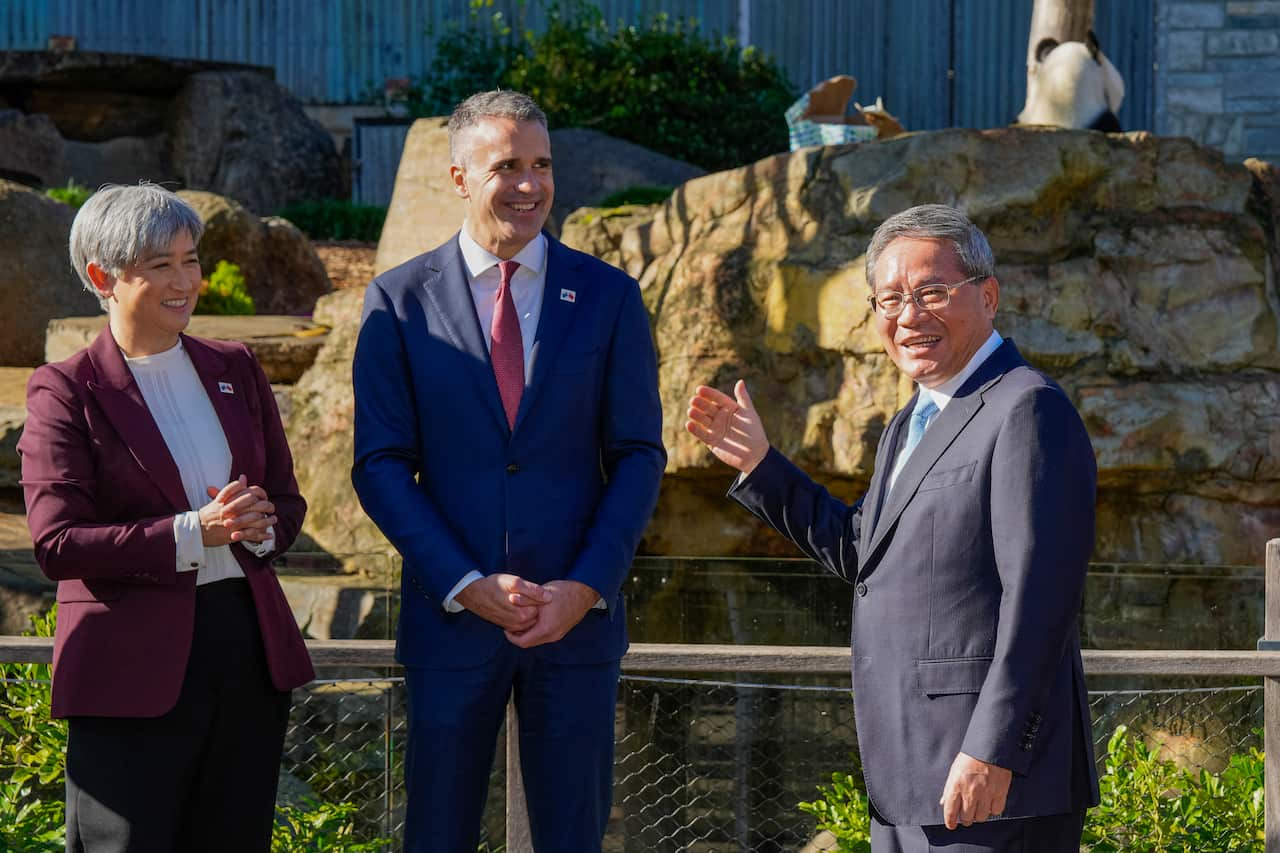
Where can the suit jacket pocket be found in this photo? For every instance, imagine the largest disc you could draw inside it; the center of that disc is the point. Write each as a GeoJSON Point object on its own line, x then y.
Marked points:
{"type": "Point", "coordinates": [949, 477]}
{"type": "Point", "coordinates": [98, 589]}
{"type": "Point", "coordinates": [947, 676]}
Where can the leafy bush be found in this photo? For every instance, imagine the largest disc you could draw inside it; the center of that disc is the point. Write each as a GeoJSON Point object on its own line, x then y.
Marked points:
{"type": "Point", "coordinates": [336, 219]}
{"type": "Point", "coordinates": [225, 292]}
{"type": "Point", "coordinates": [73, 194]}
{"type": "Point", "coordinates": [318, 826]}
{"type": "Point", "coordinates": [663, 85]}
{"type": "Point", "coordinates": [1149, 805]}
{"type": "Point", "coordinates": [33, 756]}
{"type": "Point", "coordinates": [638, 195]}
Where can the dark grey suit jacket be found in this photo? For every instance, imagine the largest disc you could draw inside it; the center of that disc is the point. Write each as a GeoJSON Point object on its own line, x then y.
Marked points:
{"type": "Point", "coordinates": [969, 575]}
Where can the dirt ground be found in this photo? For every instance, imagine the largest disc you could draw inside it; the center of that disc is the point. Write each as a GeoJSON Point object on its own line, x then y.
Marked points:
{"type": "Point", "coordinates": [349, 263]}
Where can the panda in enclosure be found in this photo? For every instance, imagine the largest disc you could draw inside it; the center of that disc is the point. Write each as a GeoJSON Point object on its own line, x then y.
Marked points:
{"type": "Point", "coordinates": [1072, 84]}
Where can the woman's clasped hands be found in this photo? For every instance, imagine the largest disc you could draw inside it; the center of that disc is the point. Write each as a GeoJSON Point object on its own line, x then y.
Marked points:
{"type": "Point", "coordinates": [237, 512]}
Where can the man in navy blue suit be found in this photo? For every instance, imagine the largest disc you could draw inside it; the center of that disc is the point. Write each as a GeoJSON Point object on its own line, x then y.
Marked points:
{"type": "Point", "coordinates": [967, 554]}
{"type": "Point", "coordinates": [508, 444]}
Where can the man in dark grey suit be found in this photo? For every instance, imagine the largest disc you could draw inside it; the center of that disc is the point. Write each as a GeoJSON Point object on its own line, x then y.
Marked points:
{"type": "Point", "coordinates": [968, 556]}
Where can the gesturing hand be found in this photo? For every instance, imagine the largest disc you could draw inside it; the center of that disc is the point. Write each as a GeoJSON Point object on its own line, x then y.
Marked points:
{"type": "Point", "coordinates": [571, 600]}
{"type": "Point", "coordinates": [975, 791]}
{"type": "Point", "coordinates": [508, 601]}
{"type": "Point", "coordinates": [730, 427]}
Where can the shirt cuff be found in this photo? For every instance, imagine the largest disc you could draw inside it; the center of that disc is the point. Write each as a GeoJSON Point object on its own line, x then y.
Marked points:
{"type": "Point", "coordinates": [186, 534]}
{"type": "Point", "coordinates": [599, 605]}
{"type": "Point", "coordinates": [451, 606]}
{"type": "Point", "coordinates": [262, 549]}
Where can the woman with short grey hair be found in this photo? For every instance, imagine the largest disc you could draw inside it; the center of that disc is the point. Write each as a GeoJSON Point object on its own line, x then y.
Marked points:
{"type": "Point", "coordinates": [159, 487]}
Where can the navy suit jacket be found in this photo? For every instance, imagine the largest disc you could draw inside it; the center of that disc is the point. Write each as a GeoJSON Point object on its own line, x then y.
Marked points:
{"type": "Point", "coordinates": [969, 576]}
{"type": "Point", "coordinates": [566, 494]}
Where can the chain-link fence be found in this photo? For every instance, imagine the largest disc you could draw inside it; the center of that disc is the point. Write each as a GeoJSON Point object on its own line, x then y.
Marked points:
{"type": "Point", "coordinates": [706, 765]}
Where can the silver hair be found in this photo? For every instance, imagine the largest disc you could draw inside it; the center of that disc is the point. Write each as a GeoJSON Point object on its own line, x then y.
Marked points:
{"type": "Point", "coordinates": [119, 225]}
{"type": "Point", "coordinates": [497, 103]}
{"type": "Point", "coordinates": [935, 222]}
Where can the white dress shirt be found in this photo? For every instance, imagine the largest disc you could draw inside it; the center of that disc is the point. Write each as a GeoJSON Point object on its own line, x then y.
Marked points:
{"type": "Point", "coordinates": [181, 408]}
{"type": "Point", "coordinates": [942, 395]}
{"type": "Point", "coordinates": [527, 287]}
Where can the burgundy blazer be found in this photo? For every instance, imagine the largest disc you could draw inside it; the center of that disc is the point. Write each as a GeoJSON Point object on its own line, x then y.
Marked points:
{"type": "Point", "coordinates": [102, 492]}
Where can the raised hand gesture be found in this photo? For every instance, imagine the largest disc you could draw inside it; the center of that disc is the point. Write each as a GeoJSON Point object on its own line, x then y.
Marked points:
{"type": "Point", "coordinates": [730, 426]}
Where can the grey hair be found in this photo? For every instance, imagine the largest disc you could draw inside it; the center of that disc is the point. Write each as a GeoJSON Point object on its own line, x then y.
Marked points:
{"type": "Point", "coordinates": [935, 222]}
{"type": "Point", "coordinates": [497, 103]}
{"type": "Point", "coordinates": [119, 225]}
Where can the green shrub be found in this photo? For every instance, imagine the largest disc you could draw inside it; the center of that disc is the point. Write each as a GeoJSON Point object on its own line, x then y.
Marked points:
{"type": "Point", "coordinates": [321, 827]}
{"type": "Point", "coordinates": [33, 756]}
{"type": "Point", "coordinates": [1149, 805]}
{"type": "Point", "coordinates": [664, 84]}
{"type": "Point", "coordinates": [73, 194]}
{"type": "Point", "coordinates": [638, 195]}
{"type": "Point", "coordinates": [226, 292]}
{"type": "Point", "coordinates": [335, 219]}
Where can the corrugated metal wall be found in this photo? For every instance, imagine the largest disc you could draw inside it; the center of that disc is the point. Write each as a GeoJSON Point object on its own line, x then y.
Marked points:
{"type": "Point", "coordinates": [935, 62]}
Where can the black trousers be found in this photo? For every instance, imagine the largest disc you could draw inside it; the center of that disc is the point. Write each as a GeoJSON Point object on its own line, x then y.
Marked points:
{"type": "Point", "coordinates": [201, 777]}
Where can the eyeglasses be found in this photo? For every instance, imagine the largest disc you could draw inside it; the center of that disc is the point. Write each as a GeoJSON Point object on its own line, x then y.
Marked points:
{"type": "Point", "coordinates": [928, 297]}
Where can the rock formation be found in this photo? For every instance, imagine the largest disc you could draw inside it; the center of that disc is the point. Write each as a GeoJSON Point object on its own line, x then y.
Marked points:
{"type": "Point", "coordinates": [283, 273]}
{"type": "Point", "coordinates": [36, 281]}
{"type": "Point", "coordinates": [1138, 271]}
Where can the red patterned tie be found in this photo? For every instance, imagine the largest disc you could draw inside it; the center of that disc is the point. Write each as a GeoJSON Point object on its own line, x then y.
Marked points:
{"type": "Point", "coordinates": [507, 348]}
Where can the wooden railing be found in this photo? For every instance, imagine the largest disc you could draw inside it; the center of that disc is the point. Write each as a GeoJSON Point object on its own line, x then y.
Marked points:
{"type": "Point", "coordinates": [680, 658]}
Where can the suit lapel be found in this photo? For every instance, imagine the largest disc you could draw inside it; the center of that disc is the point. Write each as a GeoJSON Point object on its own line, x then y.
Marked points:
{"type": "Point", "coordinates": [553, 322]}
{"type": "Point", "coordinates": [233, 411]}
{"type": "Point", "coordinates": [121, 401]}
{"type": "Point", "coordinates": [885, 455]}
{"type": "Point", "coordinates": [940, 435]}
{"type": "Point", "coordinates": [448, 294]}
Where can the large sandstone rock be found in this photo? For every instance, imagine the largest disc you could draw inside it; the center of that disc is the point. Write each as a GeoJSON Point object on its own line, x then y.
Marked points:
{"type": "Point", "coordinates": [30, 148]}
{"type": "Point", "coordinates": [589, 166]}
{"type": "Point", "coordinates": [240, 134]}
{"type": "Point", "coordinates": [122, 160]}
{"type": "Point", "coordinates": [36, 281]}
{"type": "Point", "coordinates": [283, 273]}
{"type": "Point", "coordinates": [1135, 270]}
{"type": "Point", "coordinates": [1138, 271]}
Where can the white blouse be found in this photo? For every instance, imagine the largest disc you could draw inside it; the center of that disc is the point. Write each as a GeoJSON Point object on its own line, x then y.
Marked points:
{"type": "Point", "coordinates": [191, 430]}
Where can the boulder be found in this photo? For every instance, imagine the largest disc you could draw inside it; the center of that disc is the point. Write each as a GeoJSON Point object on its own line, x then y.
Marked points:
{"type": "Point", "coordinates": [30, 148]}
{"type": "Point", "coordinates": [283, 273]}
{"type": "Point", "coordinates": [240, 134]}
{"type": "Point", "coordinates": [1138, 271]}
{"type": "Point", "coordinates": [589, 167]}
{"type": "Point", "coordinates": [36, 281]}
{"type": "Point", "coordinates": [122, 160]}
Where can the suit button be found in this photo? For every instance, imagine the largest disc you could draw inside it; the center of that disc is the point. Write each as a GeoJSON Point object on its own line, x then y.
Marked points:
{"type": "Point", "coordinates": [513, 468]}
{"type": "Point", "coordinates": [861, 589]}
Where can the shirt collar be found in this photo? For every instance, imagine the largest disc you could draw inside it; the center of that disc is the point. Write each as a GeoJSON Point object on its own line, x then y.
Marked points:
{"type": "Point", "coordinates": [480, 260]}
{"type": "Point", "coordinates": [944, 392]}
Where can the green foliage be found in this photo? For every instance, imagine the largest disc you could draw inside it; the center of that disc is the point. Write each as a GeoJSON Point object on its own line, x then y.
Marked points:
{"type": "Point", "coordinates": [1149, 805]}
{"type": "Point", "coordinates": [33, 754]}
{"type": "Point", "coordinates": [336, 219]}
{"type": "Point", "coordinates": [73, 194]}
{"type": "Point", "coordinates": [320, 827]}
{"type": "Point", "coordinates": [664, 84]}
{"type": "Point", "coordinates": [637, 195]}
{"type": "Point", "coordinates": [226, 293]}
{"type": "Point", "coordinates": [843, 812]}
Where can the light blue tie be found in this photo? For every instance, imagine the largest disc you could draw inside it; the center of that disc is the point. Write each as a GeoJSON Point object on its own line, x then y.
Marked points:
{"type": "Point", "coordinates": [924, 412]}
{"type": "Point", "coordinates": [920, 416]}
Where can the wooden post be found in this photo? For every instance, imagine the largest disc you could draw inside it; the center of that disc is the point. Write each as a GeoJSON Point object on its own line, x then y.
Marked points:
{"type": "Point", "coordinates": [518, 838]}
{"type": "Point", "coordinates": [1271, 703]}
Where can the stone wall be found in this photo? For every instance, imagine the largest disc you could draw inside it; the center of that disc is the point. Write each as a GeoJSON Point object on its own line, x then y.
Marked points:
{"type": "Point", "coordinates": [1219, 74]}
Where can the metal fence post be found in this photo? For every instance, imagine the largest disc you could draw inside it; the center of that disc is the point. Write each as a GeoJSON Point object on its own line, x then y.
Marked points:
{"type": "Point", "coordinates": [1271, 700]}
{"type": "Point", "coordinates": [518, 838]}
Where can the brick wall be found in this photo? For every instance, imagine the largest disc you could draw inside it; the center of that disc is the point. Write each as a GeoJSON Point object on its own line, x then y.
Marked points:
{"type": "Point", "coordinates": [1219, 74]}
